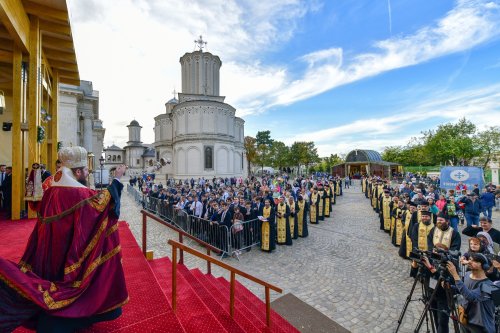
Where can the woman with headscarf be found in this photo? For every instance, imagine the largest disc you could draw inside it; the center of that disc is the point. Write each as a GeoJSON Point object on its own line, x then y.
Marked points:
{"type": "Point", "coordinates": [489, 245]}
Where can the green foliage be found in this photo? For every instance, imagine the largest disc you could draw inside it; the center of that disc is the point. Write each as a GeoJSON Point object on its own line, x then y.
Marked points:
{"type": "Point", "coordinates": [449, 144]}
{"type": "Point", "coordinates": [279, 154]}
{"type": "Point", "coordinates": [452, 143]}
{"type": "Point", "coordinates": [264, 138]}
{"type": "Point", "coordinates": [326, 164]}
{"type": "Point", "coordinates": [263, 142]}
{"type": "Point", "coordinates": [251, 151]}
{"type": "Point", "coordinates": [488, 143]}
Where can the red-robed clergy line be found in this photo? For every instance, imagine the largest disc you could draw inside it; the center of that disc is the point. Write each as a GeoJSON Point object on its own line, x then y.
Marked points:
{"type": "Point", "coordinates": [72, 263]}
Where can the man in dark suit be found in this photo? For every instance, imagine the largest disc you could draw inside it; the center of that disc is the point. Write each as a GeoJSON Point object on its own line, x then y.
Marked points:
{"type": "Point", "coordinates": [226, 219]}
{"type": "Point", "coordinates": [2, 178]}
{"type": "Point", "coordinates": [6, 188]}
{"type": "Point", "coordinates": [45, 172]}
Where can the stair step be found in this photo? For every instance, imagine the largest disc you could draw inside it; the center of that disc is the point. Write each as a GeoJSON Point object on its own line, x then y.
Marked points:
{"type": "Point", "coordinates": [244, 305]}
{"type": "Point", "coordinates": [212, 302]}
{"type": "Point", "coordinates": [256, 305]}
{"type": "Point", "coordinates": [246, 321]}
{"type": "Point", "coordinates": [193, 314]}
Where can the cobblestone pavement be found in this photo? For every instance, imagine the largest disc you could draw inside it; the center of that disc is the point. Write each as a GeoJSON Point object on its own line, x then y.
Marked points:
{"type": "Point", "coordinates": [347, 268]}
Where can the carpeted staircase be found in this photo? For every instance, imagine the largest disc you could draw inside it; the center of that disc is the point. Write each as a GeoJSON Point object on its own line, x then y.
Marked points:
{"type": "Point", "coordinates": [202, 300]}
{"type": "Point", "coordinates": [203, 303]}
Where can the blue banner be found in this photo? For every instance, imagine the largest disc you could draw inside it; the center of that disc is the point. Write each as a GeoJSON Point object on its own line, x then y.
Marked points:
{"type": "Point", "coordinates": [451, 176]}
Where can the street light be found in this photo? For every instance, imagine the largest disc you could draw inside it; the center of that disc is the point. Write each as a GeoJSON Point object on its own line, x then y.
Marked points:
{"type": "Point", "coordinates": [90, 164]}
{"type": "Point", "coordinates": [101, 164]}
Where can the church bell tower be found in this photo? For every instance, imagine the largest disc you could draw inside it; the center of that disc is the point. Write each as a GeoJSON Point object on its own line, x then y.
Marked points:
{"type": "Point", "coordinates": [200, 71]}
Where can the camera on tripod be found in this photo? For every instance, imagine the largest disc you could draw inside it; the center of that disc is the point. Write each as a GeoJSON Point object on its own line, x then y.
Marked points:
{"type": "Point", "coordinates": [438, 258]}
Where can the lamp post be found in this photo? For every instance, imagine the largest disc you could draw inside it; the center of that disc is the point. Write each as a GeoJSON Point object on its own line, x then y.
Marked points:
{"type": "Point", "coordinates": [90, 164]}
{"type": "Point", "coordinates": [101, 164]}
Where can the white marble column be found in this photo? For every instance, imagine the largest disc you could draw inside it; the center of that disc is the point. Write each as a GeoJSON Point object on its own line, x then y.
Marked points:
{"type": "Point", "coordinates": [87, 131]}
{"type": "Point", "coordinates": [494, 173]}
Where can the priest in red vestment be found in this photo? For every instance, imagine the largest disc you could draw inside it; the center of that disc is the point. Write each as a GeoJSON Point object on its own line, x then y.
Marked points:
{"type": "Point", "coordinates": [70, 275]}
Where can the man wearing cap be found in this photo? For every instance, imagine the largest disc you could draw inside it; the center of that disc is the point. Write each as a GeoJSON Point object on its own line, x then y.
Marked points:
{"type": "Point", "coordinates": [71, 273]}
{"type": "Point", "coordinates": [303, 209]}
{"type": "Point", "coordinates": [443, 236]}
{"type": "Point", "coordinates": [313, 205]}
{"type": "Point", "coordinates": [421, 231]}
{"type": "Point", "coordinates": [398, 230]}
{"type": "Point", "coordinates": [268, 227]}
{"type": "Point", "coordinates": [385, 211]}
{"type": "Point", "coordinates": [282, 223]}
{"type": "Point", "coordinates": [410, 218]}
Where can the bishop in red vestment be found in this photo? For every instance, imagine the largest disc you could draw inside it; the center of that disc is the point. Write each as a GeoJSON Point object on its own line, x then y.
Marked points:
{"type": "Point", "coordinates": [71, 269]}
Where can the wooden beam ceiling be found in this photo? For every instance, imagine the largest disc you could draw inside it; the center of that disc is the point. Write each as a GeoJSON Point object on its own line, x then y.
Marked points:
{"type": "Point", "coordinates": [58, 29]}
{"type": "Point", "coordinates": [45, 11]}
{"type": "Point", "coordinates": [16, 21]}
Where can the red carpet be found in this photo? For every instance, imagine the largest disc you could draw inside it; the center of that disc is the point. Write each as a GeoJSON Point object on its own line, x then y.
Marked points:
{"type": "Point", "coordinates": [148, 309]}
{"type": "Point", "coordinates": [202, 300]}
{"type": "Point", "coordinates": [211, 300]}
{"type": "Point", "coordinates": [13, 238]}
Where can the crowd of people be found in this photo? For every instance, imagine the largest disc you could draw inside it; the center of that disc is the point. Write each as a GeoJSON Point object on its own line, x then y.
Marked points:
{"type": "Point", "coordinates": [270, 211]}
{"type": "Point", "coordinates": [422, 219]}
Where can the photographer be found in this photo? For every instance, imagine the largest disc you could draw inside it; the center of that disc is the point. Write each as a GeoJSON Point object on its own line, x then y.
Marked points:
{"type": "Point", "coordinates": [476, 291]}
{"type": "Point", "coordinates": [442, 238]}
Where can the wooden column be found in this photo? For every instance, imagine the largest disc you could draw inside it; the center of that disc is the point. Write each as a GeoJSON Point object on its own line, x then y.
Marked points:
{"type": "Point", "coordinates": [54, 129]}
{"type": "Point", "coordinates": [17, 135]}
{"type": "Point", "coordinates": [34, 96]}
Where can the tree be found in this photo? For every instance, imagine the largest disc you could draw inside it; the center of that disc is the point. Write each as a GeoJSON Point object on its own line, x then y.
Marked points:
{"type": "Point", "coordinates": [251, 151]}
{"type": "Point", "coordinates": [297, 152]}
{"type": "Point", "coordinates": [263, 141]}
{"type": "Point", "coordinates": [279, 154]}
{"type": "Point", "coordinates": [311, 154]}
{"type": "Point", "coordinates": [452, 143]}
{"type": "Point", "coordinates": [488, 143]}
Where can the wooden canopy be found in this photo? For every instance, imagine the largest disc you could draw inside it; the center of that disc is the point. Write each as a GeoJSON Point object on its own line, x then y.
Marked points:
{"type": "Point", "coordinates": [36, 54]}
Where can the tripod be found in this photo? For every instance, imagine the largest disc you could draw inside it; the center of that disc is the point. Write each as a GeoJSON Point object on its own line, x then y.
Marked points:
{"type": "Point", "coordinates": [449, 299]}
{"type": "Point", "coordinates": [420, 277]}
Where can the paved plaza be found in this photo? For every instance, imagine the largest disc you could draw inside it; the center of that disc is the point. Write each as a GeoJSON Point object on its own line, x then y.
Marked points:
{"type": "Point", "coordinates": [347, 268]}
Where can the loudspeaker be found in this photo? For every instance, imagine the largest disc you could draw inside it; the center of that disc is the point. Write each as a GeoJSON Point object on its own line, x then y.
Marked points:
{"type": "Point", "coordinates": [6, 127]}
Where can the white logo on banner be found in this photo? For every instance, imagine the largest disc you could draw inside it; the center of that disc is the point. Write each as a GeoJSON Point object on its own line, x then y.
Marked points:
{"type": "Point", "coordinates": [459, 175]}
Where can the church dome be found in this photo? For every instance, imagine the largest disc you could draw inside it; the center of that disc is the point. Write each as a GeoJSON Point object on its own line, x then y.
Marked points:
{"type": "Point", "coordinates": [173, 101]}
{"type": "Point", "coordinates": [134, 123]}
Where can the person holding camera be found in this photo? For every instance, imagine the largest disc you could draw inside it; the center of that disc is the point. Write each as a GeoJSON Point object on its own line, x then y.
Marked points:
{"type": "Point", "coordinates": [478, 306]}
{"type": "Point", "coordinates": [442, 238]}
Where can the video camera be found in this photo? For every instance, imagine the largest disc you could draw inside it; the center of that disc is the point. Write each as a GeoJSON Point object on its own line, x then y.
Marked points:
{"type": "Point", "coordinates": [438, 258]}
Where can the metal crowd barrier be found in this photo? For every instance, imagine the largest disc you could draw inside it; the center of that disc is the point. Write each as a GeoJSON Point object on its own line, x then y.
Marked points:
{"type": "Point", "coordinates": [241, 236]}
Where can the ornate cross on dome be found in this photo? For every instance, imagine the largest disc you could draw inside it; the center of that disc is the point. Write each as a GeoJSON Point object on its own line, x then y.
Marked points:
{"type": "Point", "coordinates": [200, 43]}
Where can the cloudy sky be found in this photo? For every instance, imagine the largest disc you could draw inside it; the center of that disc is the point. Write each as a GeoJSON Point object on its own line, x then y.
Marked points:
{"type": "Point", "coordinates": [346, 74]}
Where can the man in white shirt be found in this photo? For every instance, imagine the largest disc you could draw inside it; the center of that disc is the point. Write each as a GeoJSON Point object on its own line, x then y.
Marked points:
{"type": "Point", "coordinates": [196, 207]}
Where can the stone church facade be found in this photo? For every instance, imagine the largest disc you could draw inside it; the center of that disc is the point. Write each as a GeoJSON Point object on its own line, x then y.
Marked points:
{"type": "Point", "coordinates": [199, 135]}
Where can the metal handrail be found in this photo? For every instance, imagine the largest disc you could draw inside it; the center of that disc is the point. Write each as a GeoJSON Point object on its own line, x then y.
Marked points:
{"type": "Point", "coordinates": [182, 233]}
{"type": "Point", "coordinates": [177, 245]}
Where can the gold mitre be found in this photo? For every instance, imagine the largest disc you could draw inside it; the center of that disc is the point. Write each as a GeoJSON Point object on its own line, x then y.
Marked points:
{"type": "Point", "coordinates": [73, 157]}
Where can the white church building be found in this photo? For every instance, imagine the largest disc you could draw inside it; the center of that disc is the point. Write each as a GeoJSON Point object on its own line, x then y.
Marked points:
{"type": "Point", "coordinates": [198, 135]}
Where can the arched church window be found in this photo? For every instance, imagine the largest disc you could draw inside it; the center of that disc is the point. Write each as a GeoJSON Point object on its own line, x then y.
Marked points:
{"type": "Point", "coordinates": [109, 157]}
{"type": "Point", "coordinates": [114, 158]}
{"type": "Point", "coordinates": [209, 157]}
{"type": "Point", "coordinates": [119, 158]}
